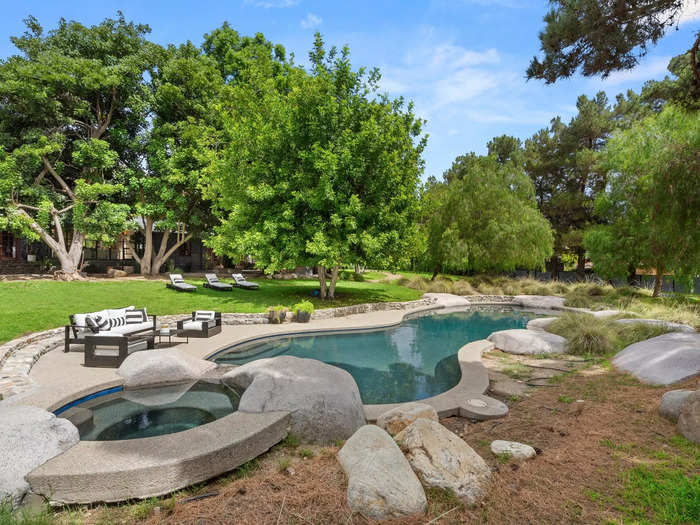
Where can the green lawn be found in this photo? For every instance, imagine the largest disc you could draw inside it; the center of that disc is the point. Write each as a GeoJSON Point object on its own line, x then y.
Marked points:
{"type": "Point", "coordinates": [31, 306]}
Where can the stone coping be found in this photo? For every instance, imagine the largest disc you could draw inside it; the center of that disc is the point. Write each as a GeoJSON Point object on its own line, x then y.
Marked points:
{"type": "Point", "coordinates": [111, 471]}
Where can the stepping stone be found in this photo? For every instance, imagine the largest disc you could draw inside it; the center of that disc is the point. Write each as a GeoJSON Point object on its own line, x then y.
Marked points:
{"type": "Point", "coordinates": [662, 360]}
{"type": "Point", "coordinates": [521, 341]}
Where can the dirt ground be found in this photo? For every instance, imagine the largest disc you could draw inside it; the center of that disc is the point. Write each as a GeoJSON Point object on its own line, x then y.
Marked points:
{"type": "Point", "coordinates": [589, 427]}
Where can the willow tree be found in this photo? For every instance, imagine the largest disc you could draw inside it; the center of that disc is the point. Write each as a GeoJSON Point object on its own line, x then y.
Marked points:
{"type": "Point", "coordinates": [484, 217]}
{"type": "Point", "coordinates": [321, 170]}
{"type": "Point", "coordinates": [71, 103]}
{"type": "Point", "coordinates": [652, 201]}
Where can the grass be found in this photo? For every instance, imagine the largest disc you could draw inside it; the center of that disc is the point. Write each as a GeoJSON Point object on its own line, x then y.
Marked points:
{"type": "Point", "coordinates": [24, 517]}
{"type": "Point", "coordinates": [32, 306]}
{"type": "Point", "coordinates": [592, 336]}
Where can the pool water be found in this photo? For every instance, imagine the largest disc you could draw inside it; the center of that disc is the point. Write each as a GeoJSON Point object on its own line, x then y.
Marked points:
{"type": "Point", "coordinates": [415, 360]}
{"type": "Point", "coordinates": [141, 413]}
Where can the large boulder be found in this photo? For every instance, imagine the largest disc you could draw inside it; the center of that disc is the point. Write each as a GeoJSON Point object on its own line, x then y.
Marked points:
{"type": "Point", "coordinates": [29, 436]}
{"type": "Point", "coordinates": [672, 402]}
{"type": "Point", "coordinates": [442, 459]}
{"type": "Point", "coordinates": [670, 326]}
{"type": "Point", "coordinates": [166, 366]}
{"type": "Point", "coordinates": [662, 360]}
{"type": "Point", "coordinates": [396, 419]}
{"type": "Point", "coordinates": [689, 418]}
{"type": "Point", "coordinates": [517, 451]}
{"type": "Point", "coordinates": [546, 302]}
{"type": "Point", "coordinates": [323, 400]}
{"type": "Point", "coordinates": [540, 323]}
{"type": "Point", "coordinates": [520, 341]}
{"type": "Point", "coordinates": [381, 484]}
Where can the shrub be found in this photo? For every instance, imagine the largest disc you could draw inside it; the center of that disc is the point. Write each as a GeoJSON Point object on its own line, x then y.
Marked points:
{"type": "Point", "coordinates": [304, 306]}
{"type": "Point", "coordinates": [593, 339]}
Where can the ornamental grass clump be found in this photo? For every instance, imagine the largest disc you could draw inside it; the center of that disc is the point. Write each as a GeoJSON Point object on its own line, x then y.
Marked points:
{"type": "Point", "coordinates": [302, 311]}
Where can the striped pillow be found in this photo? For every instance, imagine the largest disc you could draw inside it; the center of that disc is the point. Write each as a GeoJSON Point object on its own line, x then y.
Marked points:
{"type": "Point", "coordinates": [102, 322]}
{"type": "Point", "coordinates": [116, 321]}
{"type": "Point", "coordinates": [136, 316]}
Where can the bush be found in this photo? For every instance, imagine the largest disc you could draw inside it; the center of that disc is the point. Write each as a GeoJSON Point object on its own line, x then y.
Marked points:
{"type": "Point", "coordinates": [593, 339]}
{"type": "Point", "coordinates": [304, 306]}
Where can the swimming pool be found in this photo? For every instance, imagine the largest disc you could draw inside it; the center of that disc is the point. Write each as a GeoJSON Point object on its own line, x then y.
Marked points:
{"type": "Point", "coordinates": [414, 360]}
{"type": "Point", "coordinates": [149, 412]}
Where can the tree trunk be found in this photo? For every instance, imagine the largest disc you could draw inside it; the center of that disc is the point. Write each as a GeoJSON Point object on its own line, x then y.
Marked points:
{"type": "Point", "coordinates": [322, 281]}
{"type": "Point", "coordinates": [631, 274]}
{"type": "Point", "coordinates": [163, 254]}
{"type": "Point", "coordinates": [658, 281]}
{"type": "Point", "coordinates": [147, 247]}
{"type": "Point", "coordinates": [554, 267]}
{"type": "Point", "coordinates": [581, 264]}
{"type": "Point", "coordinates": [334, 280]}
{"type": "Point", "coordinates": [436, 271]}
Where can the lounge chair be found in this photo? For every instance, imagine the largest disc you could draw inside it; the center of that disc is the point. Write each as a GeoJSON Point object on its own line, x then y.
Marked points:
{"type": "Point", "coordinates": [179, 284]}
{"type": "Point", "coordinates": [242, 283]}
{"type": "Point", "coordinates": [214, 283]}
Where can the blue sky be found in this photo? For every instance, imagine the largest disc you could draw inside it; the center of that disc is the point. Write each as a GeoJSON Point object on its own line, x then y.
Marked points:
{"type": "Point", "coordinates": [462, 61]}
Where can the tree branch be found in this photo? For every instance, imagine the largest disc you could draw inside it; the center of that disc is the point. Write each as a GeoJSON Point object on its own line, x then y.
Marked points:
{"type": "Point", "coordinates": [134, 255]}
{"type": "Point", "coordinates": [58, 178]}
{"type": "Point", "coordinates": [108, 119]}
{"type": "Point", "coordinates": [45, 236]}
{"type": "Point", "coordinates": [167, 254]}
{"type": "Point", "coordinates": [40, 176]}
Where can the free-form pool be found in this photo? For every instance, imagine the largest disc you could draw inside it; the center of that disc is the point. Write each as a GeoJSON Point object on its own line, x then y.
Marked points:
{"type": "Point", "coordinates": [412, 361]}
{"type": "Point", "coordinates": [149, 412]}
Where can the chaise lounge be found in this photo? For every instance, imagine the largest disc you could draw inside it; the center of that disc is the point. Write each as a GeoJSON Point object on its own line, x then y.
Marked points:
{"type": "Point", "coordinates": [242, 283]}
{"type": "Point", "coordinates": [178, 283]}
{"type": "Point", "coordinates": [203, 323]}
{"type": "Point", "coordinates": [214, 283]}
{"type": "Point", "coordinates": [121, 322]}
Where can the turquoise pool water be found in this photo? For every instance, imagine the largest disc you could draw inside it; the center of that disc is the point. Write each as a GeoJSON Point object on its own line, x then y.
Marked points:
{"type": "Point", "coordinates": [415, 360]}
{"type": "Point", "coordinates": [152, 412]}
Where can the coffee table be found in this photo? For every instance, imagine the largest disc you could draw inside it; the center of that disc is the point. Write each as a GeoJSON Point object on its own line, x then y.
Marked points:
{"type": "Point", "coordinates": [169, 333]}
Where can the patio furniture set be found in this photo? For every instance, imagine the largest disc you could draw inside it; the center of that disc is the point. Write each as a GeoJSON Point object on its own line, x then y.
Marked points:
{"type": "Point", "coordinates": [110, 336]}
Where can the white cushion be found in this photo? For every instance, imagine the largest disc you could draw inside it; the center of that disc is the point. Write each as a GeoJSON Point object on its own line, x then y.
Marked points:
{"type": "Point", "coordinates": [135, 327]}
{"type": "Point", "coordinates": [204, 315]}
{"type": "Point", "coordinates": [196, 325]}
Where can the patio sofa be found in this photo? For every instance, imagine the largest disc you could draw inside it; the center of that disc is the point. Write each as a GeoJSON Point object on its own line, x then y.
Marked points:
{"type": "Point", "coordinates": [108, 323]}
{"type": "Point", "coordinates": [202, 323]}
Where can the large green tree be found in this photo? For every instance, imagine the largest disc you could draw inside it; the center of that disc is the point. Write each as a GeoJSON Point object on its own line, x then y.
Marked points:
{"type": "Point", "coordinates": [320, 170]}
{"type": "Point", "coordinates": [72, 101]}
{"type": "Point", "coordinates": [602, 36]}
{"type": "Point", "coordinates": [484, 217]}
{"type": "Point", "coordinates": [652, 201]}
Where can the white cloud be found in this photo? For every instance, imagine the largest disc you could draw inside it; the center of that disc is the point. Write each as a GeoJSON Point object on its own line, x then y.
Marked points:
{"type": "Point", "coordinates": [644, 71]}
{"type": "Point", "coordinates": [267, 4]}
{"type": "Point", "coordinates": [310, 21]}
{"type": "Point", "coordinates": [690, 11]}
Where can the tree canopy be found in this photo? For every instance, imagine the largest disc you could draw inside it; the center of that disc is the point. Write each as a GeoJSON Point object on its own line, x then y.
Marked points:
{"type": "Point", "coordinates": [319, 170]}
{"type": "Point", "coordinates": [72, 102]}
{"type": "Point", "coordinates": [484, 217]}
{"type": "Point", "coordinates": [652, 201]}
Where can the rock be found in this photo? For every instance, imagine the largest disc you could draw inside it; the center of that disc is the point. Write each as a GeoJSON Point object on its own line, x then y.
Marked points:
{"type": "Point", "coordinates": [671, 403]}
{"type": "Point", "coordinates": [162, 367]}
{"type": "Point", "coordinates": [323, 400]}
{"type": "Point", "coordinates": [504, 386]}
{"type": "Point", "coordinates": [603, 314]}
{"type": "Point", "coordinates": [29, 436]}
{"type": "Point", "coordinates": [672, 327]}
{"type": "Point", "coordinates": [447, 300]}
{"type": "Point", "coordinates": [689, 418]}
{"type": "Point", "coordinates": [518, 451]}
{"type": "Point", "coordinates": [540, 323]}
{"type": "Point", "coordinates": [113, 272]}
{"type": "Point", "coordinates": [441, 459]}
{"type": "Point", "coordinates": [396, 419]}
{"type": "Point", "coordinates": [519, 341]}
{"type": "Point", "coordinates": [547, 302]}
{"type": "Point", "coordinates": [662, 360]}
{"type": "Point", "coordinates": [381, 484]}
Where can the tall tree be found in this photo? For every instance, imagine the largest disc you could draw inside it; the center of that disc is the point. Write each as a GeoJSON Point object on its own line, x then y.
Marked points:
{"type": "Point", "coordinates": [320, 170]}
{"type": "Point", "coordinates": [602, 36]}
{"type": "Point", "coordinates": [505, 148]}
{"type": "Point", "coordinates": [484, 217]}
{"type": "Point", "coordinates": [71, 103]}
{"type": "Point", "coordinates": [652, 202]}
